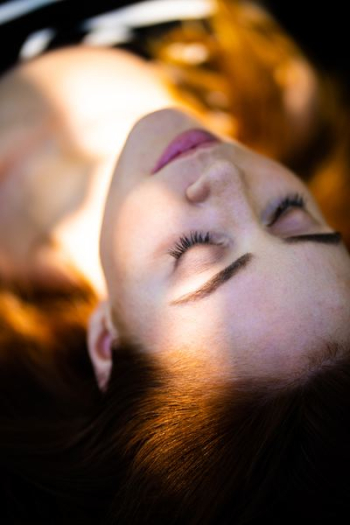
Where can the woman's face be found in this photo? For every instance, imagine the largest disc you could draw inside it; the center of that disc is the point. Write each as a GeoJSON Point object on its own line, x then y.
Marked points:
{"type": "Point", "coordinates": [220, 256]}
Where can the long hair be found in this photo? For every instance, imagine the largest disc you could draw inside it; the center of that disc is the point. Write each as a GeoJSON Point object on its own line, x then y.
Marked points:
{"type": "Point", "coordinates": [246, 452]}
{"type": "Point", "coordinates": [160, 445]}
{"type": "Point", "coordinates": [167, 445]}
{"type": "Point", "coordinates": [46, 386]}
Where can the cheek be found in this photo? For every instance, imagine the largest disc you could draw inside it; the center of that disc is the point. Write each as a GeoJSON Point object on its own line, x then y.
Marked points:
{"type": "Point", "coordinates": [123, 240]}
{"type": "Point", "coordinates": [131, 234]}
{"type": "Point", "coordinates": [136, 237]}
{"type": "Point", "coordinates": [139, 222]}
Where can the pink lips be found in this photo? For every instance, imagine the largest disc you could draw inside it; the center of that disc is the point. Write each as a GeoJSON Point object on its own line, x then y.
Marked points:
{"type": "Point", "coordinates": [188, 140]}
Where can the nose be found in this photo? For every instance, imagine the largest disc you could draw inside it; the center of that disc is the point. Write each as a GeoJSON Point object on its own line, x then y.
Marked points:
{"type": "Point", "coordinates": [222, 179]}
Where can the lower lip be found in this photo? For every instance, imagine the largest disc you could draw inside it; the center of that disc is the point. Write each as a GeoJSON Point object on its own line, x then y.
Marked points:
{"type": "Point", "coordinates": [183, 143]}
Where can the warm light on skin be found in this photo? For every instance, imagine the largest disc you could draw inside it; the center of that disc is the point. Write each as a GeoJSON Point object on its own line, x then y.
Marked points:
{"type": "Point", "coordinates": [291, 298]}
{"type": "Point", "coordinates": [63, 121]}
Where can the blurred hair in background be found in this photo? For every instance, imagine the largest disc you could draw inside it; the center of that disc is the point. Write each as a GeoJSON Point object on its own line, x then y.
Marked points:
{"type": "Point", "coordinates": [253, 82]}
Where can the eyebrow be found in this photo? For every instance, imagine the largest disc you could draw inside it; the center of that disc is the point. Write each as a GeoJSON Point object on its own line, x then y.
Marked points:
{"type": "Point", "coordinates": [242, 262]}
{"type": "Point", "coordinates": [217, 280]}
{"type": "Point", "coordinates": [325, 238]}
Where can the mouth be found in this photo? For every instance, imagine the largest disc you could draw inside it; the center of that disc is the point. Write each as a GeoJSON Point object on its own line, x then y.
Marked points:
{"type": "Point", "coordinates": [187, 141]}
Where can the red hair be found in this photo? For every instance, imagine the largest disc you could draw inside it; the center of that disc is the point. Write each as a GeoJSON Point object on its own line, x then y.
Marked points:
{"type": "Point", "coordinates": [162, 446]}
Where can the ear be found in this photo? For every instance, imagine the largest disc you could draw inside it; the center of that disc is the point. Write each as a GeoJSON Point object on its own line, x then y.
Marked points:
{"type": "Point", "coordinates": [101, 334]}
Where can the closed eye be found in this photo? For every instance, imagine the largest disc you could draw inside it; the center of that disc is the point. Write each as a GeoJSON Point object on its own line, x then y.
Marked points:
{"type": "Point", "coordinates": [242, 262]}
{"type": "Point", "coordinates": [187, 241]}
{"type": "Point", "coordinates": [295, 200]}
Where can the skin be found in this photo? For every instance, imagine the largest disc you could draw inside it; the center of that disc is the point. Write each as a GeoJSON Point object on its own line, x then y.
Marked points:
{"type": "Point", "coordinates": [64, 117]}
{"type": "Point", "coordinates": [289, 300]}
{"type": "Point", "coordinates": [63, 121]}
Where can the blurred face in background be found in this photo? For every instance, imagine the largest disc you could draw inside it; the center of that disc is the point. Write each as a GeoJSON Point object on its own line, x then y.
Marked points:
{"type": "Point", "coordinates": [63, 121]}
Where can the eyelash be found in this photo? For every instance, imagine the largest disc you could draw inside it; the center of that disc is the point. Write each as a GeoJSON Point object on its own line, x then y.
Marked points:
{"type": "Point", "coordinates": [295, 200]}
{"type": "Point", "coordinates": [185, 242]}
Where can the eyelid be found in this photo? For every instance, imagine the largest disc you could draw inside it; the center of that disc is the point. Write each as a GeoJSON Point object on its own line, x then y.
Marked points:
{"type": "Point", "coordinates": [289, 202]}
{"type": "Point", "coordinates": [198, 264]}
{"type": "Point", "coordinates": [189, 240]}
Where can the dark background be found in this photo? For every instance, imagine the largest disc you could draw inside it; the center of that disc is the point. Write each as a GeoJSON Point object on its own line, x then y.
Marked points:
{"type": "Point", "coordinates": [320, 28]}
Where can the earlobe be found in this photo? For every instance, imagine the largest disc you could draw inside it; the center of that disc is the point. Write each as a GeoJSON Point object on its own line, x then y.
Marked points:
{"type": "Point", "coordinates": [100, 339]}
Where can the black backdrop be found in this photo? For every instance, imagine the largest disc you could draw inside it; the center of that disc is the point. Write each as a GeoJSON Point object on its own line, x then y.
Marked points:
{"type": "Point", "coordinates": [321, 28]}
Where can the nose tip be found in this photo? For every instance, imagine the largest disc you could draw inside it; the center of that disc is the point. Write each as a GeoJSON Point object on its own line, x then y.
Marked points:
{"type": "Point", "coordinates": [220, 177]}
{"type": "Point", "coordinates": [198, 191]}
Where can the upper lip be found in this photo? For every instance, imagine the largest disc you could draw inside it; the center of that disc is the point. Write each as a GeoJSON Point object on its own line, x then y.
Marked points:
{"type": "Point", "coordinates": [185, 141]}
